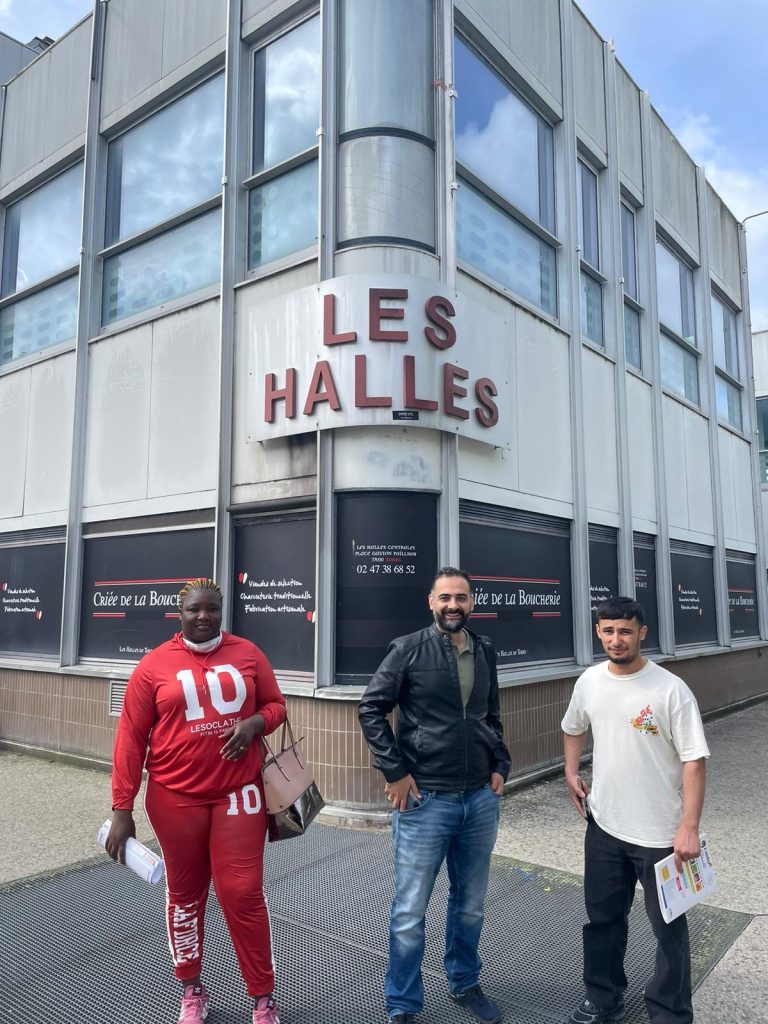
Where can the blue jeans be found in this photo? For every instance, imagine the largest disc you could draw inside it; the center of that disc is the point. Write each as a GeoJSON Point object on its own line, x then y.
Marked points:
{"type": "Point", "coordinates": [461, 829]}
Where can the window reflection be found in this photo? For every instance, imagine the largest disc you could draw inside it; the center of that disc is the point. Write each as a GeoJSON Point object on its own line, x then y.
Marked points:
{"type": "Point", "coordinates": [728, 400]}
{"type": "Point", "coordinates": [167, 164]}
{"type": "Point", "coordinates": [44, 319]}
{"type": "Point", "coordinates": [724, 337]}
{"type": "Point", "coordinates": [287, 96]}
{"type": "Point", "coordinates": [501, 139]}
{"type": "Point", "coordinates": [504, 250]}
{"type": "Point", "coordinates": [591, 309]}
{"type": "Point", "coordinates": [42, 232]}
{"type": "Point", "coordinates": [679, 369]}
{"type": "Point", "coordinates": [282, 215]}
{"type": "Point", "coordinates": [632, 347]}
{"type": "Point", "coordinates": [628, 252]}
{"type": "Point", "coordinates": [177, 263]}
{"type": "Point", "coordinates": [675, 294]}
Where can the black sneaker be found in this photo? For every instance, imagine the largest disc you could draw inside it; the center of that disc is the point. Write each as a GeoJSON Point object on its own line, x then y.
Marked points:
{"type": "Point", "coordinates": [478, 1004]}
{"type": "Point", "coordinates": [588, 1013]}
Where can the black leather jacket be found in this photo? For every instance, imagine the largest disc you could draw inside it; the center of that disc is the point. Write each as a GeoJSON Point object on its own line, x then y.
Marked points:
{"type": "Point", "coordinates": [440, 743]}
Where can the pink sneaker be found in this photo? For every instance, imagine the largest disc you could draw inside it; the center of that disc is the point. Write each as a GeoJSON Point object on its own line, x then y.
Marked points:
{"type": "Point", "coordinates": [194, 1004]}
{"type": "Point", "coordinates": [266, 1011]}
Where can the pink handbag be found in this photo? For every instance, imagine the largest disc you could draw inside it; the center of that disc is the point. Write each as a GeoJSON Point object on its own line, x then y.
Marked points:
{"type": "Point", "coordinates": [292, 797]}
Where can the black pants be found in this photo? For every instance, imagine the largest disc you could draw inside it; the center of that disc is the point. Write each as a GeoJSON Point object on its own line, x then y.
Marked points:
{"type": "Point", "coordinates": [611, 870]}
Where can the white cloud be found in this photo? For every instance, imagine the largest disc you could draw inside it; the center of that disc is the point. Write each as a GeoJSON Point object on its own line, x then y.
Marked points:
{"type": "Point", "coordinates": [744, 192]}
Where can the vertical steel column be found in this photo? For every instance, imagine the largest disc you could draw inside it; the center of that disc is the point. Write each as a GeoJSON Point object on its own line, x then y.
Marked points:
{"type": "Point", "coordinates": [229, 266]}
{"type": "Point", "coordinates": [703, 307]}
{"type": "Point", "coordinates": [325, 560]}
{"type": "Point", "coordinates": [86, 314]}
{"type": "Point", "coordinates": [570, 320]}
{"type": "Point", "coordinates": [626, 551]}
{"type": "Point", "coordinates": [445, 194]}
{"type": "Point", "coordinates": [751, 432]}
{"type": "Point", "coordinates": [663, 564]}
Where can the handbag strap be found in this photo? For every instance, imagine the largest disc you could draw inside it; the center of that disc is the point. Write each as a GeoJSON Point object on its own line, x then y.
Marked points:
{"type": "Point", "coordinates": [286, 731]}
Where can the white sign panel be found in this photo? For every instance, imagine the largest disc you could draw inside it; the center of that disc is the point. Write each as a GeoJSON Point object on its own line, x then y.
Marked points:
{"type": "Point", "coordinates": [379, 349]}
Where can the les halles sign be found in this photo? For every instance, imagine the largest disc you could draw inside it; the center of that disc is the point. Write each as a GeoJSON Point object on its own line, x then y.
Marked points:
{"type": "Point", "coordinates": [373, 349]}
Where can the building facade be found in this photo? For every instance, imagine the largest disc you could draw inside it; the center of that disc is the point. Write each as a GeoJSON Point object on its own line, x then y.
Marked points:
{"type": "Point", "coordinates": [316, 297]}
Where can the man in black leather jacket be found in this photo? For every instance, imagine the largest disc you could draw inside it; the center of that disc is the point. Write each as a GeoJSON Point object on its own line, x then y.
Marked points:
{"type": "Point", "coordinates": [445, 774]}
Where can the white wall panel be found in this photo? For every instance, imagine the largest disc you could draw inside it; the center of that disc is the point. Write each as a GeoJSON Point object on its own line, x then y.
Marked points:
{"type": "Point", "coordinates": [14, 425]}
{"type": "Point", "coordinates": [258, 463]}
{"type": "Point", "coordinates": [600, 441]}
{"type": "Point", "coordinates": [674, 186]}
{"type": "Point", "coordinates": [542, 398]}
{"type": "Point", "coordinates": [673, 442]}
{"type": "Point", "coordinates": [498, 468]}
{"type": "Point", "coordinates": [630, 134]}
{"type": "Point", "coordinates": [589, 80]}
{"type": "Point", "coordinates": [117, 429]}
{"type": "Point", "coordinates": [184, 414]}
{"type": "Point", "coordinates": [25, 101]}
{"type": "Point", "coordinates": [701, 517]}
{"type": "Point", "coordinates": [52, 399]}
{"type": "Point", "coordinates": [68, 80]}
{"type": "Point", "coordinates": [389, 459]}
{"type": "Point", "coordinates": [735, 471]}
{"type": "Point", "coordinates": [642, 469]}
{"type": "Point", "coordinates": [724, 246]}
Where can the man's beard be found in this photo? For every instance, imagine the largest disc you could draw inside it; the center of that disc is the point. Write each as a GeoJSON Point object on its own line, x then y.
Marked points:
{"type": "Point", "coordinates": [451, 625]}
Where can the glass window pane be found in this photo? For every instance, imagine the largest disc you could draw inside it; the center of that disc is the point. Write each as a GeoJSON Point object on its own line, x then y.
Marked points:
{"type": "Point", "coordinates": [675, 294]}
{"type": "Point", "coordinates": [44, 319]}
{"type": "Point", "coordinates": [764, 467]}
{"type": "Point", "coordinates": [287, 96]}
{"type": "Point", "coordinates": [389, 84]}
{"type": "Point", "coordinates": [761, 406]}
{"type": "Point", "coordinates": [724, 337]}
{"type": "Point", "coordinates": [167, 164]}
{"type": "Point", "coordinates": [591, 309]}
{"type": "Point", "coordinates": [728, 400]}
{"type": "Point", "coordinates": [497, 137]}
{"type": "Point", "coordinates": [679, 369]}
{"type": "Point", "coordinates": [588, 224]}
{"type": "Point", "coordinates": [628, 252]}
{"type": "Point", "coordinates": [42, 232]}
{"type": "Point", "coordinates": [177, 263]}
{"type": "Point", "coordinates": [282, 215]}
{"type": "Point", "coordinates": [632, 347]}
{"type": "Point", "coordinates": [498, 246]}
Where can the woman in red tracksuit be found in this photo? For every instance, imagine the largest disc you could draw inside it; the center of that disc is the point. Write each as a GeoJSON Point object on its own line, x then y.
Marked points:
{"type": "Point", "coordinates": [199, 702]}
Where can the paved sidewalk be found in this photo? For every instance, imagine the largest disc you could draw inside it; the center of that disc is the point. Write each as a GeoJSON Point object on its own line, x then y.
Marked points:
{"type": "Point", "coordinates": [50, 813]}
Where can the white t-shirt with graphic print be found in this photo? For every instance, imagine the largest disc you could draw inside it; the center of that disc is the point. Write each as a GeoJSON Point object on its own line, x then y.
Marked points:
{"type": "Point", "coordinates": [644, 727]}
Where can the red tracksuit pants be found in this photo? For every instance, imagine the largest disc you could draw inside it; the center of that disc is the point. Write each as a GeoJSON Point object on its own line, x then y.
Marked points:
{"type": "Point", "coordinates": [220, 840]}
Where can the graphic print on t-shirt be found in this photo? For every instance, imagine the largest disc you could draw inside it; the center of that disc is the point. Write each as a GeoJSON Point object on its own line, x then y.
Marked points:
{"type": "Point", "coordinates": [644, 722]}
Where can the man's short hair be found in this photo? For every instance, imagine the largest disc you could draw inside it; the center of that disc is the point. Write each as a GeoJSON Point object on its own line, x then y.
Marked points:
{"type": "Point", "coordinates": [451, 570]}
{"type": "Point", "coordinates": [620, 608]}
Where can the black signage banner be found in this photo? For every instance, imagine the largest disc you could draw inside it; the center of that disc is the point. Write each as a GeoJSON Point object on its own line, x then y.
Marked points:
{"type": "Point", "coordinates": [130, 585]}
{"type": "Point", "coordinates": [742, 597]}
{"type": "Point", "coordinates": [386, 556]}
{"type": "Point", "coordinates": [274, 588]}
{"type": "Point", "coordinates": [522, 583]}
{"type": "Point", "coordinates": [31, 587]}
{"type": "Point", "coordinates": [603, 575]}
{"type": "Point", "coordinates": [645, 589]}
{"type": "Point", "coordinates": [693, 597]}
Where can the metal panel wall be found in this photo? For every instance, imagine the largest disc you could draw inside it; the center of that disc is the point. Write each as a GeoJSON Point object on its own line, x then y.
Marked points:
{"type": "Point", "coordinates": [674, 181]}
{"type": "Point", "coordinates": [589, 82]}
{"type": "Point", "coordinates": [630, 134]}
{"type": "Point", "coordinates": [148, 41]}
{"type": "Point", "coordinates": [723, 246]}
{"type": "Point", "coordinates": [51, 95]}
{"type": "Point", "coordinates": [689, 480]}
{"type": "Point", "coordinates": [738, 513]}
{"type": "Point", "coordinates": [396, 459]}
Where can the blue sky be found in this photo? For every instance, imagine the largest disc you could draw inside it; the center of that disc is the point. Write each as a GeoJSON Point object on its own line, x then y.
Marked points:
{"type": "Point", "coordinates": [704, 62]}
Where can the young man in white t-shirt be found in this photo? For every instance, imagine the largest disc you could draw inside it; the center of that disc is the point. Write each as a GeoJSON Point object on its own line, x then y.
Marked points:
{"type": "Point", "coordinates": [648, 780]}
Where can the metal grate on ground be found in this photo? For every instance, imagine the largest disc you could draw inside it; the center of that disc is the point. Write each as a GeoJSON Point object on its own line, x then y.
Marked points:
{"type": "Point", "coordinates": [89, 944]}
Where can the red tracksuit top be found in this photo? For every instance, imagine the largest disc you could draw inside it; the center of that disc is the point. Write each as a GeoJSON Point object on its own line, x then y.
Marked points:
{"type": "Point", "coordinates": [179, 703]}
